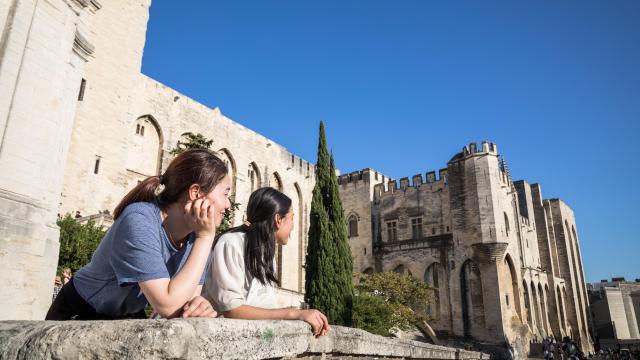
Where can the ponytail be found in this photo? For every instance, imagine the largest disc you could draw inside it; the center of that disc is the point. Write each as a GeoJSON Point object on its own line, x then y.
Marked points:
{"type": "Point", "coordinates": [145, 191]}
{"type": "Point", "coordinates": [195, 166]}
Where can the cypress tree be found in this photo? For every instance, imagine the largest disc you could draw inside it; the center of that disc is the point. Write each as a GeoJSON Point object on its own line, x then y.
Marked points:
{"type": "Point", "coordinates": [328, 283]}
{"type": "Point", "coordinates": [344, 262]}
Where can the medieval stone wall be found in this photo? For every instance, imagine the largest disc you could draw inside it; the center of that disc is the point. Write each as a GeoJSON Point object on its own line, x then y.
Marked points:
{"type": "Point", "coordinates": [492, 249]}
{"type": "Point", "coordinates": [43, 49]}
{"type": "Point", "coordinates": [127, 124]}
{"type": "Point", "coordinates": [356, 190]}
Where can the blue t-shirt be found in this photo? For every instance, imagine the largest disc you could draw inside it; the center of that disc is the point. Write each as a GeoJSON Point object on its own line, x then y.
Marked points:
{"type": "Point", "coordinates": [136, 248]}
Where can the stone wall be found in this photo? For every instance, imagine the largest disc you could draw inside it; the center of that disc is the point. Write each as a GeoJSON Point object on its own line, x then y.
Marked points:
{"type": "Point", "coordinates": [127, 123]}
{"type": "Point", "coordinates": [615, 310]}
{"type": "Point", "coordinates": [204, 339]}
{"type": "Point", "coordinates": [571, 270]}
{"type": "Point", "coordinates": [356, 193]}
{"type": "Point", "coordinates": [43, 49]}
{"type": "Point", "coordinates": [492, 248]}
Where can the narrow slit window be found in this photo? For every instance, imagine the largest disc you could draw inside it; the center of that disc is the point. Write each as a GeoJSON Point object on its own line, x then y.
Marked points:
{"type": "Point", "coordinates": [83, 84]}
{"type": "Point", "coordinates": [96, 167]}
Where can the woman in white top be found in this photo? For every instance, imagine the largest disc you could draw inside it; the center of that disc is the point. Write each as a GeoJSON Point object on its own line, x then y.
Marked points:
{"type": "Point", "coordinates": [240, 282]}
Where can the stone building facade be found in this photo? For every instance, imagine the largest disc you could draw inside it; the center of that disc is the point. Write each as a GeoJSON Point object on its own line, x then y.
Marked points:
{"type": "Point", "coordinates": [80, 125]}
{"type": "Point", "coordinates": [126, 124]}
{"type": "Point", "coordinates": [44, 48]}
{"type": "Point", "coordinates": [505, 262]}
{"type": "Point", "coordinates": [615, 312]}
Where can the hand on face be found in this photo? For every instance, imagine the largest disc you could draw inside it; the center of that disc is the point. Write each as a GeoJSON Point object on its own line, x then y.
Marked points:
{"type": "Point", "coordinates": [204, 212]}
{"type": "Point", "coordinates": [200, 215]}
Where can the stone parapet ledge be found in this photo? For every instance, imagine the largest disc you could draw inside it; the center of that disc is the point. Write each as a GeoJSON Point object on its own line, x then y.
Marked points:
{"type": "Point", "coordinates": [203, 339]}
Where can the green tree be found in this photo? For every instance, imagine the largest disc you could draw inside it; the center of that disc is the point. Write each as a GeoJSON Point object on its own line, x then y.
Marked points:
{"type": "Point", "coordinates": [372, 313]}
{"type": "Point", "coordinates": [191, 141]}
{"type": "Point", "coordinates": [199, 141]}
{"type": "Point", "coordinates": [77, 242]}
{"type": "Point", "coordinates": [328, 282]}
{"type": "Point", "coordinates": [387, 299]}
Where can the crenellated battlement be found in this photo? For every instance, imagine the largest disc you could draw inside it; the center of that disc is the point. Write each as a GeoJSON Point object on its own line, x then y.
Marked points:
{"type": "Point", "coordinates": [299, 164]}
{"type": "Point", "coordinates": [472, 149]}
{"type": "Point", "coordinates": [431, 178]}
{"type": "Point", "coordinates": [367, 175]}
{"type": "Point", "coordinates": [417, 181]}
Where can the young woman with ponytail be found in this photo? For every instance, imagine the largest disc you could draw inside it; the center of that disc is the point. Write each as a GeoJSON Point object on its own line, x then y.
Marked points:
{"type": "Point", "coordinates": [157, 249]}
{"type": "Point", "coordinates": [240, 281]}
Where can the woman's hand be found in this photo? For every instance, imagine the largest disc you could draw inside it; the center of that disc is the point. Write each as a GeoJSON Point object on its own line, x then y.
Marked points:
{"type": "Point", "coordinates": [200, 216]}
{"type": "Point", "coordinates": [198, 307]}
{"type": "Point", "coordinates": [317, 320]}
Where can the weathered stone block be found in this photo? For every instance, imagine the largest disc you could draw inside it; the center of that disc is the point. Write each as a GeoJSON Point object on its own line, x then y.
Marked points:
{"type": "Point", "coordinates": [204, 339]}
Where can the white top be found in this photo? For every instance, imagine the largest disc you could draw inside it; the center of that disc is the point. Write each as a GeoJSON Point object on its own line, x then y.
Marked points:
{"type": "Point", "coordinates": [227, 285]}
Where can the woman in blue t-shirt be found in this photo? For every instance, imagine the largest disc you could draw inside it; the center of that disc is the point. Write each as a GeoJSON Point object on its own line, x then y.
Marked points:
{"type": "Point", "coordinates": [157, 250]}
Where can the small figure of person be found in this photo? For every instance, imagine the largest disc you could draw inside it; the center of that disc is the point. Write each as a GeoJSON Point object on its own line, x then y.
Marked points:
{"type": "Point", "coordinates": [66, 275]}
{"type": "Point", "coordinates": [240, 282]}
{"type": "Point", "coordinates": [57, 285]}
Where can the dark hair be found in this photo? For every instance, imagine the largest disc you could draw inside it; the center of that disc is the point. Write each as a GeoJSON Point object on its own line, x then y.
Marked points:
{"type": "Point", "coordinates": [195, 166]}
{"type": "Point", "coordinates": [260, 246]}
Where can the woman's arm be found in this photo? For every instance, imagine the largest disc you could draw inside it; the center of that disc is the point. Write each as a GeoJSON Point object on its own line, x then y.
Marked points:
{"type": "Point", "coordinates": [168, 296]}
{"type": "Point", "coordinates": [317, 320]}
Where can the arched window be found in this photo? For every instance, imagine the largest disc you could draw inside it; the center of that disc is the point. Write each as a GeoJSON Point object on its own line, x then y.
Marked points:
{"type": "Point", "coordinates": [535, 304]}
{"type": "Point", "coordinates": [145, 153]}
{"type": "Point", "coordinates": [353, 226]}
{"type": "Point", "coordinates": [527, 302]}
{"type": "Point", "coordinates": [511, 282]}
{"type": "Point", "coordinates": [543, 307]}
{"type": "Point", "coordinates": [275, 181]}
{"type": "Point", "coordinates": [432, 278]}
{"type": "Point", "coordinates": [560, 301]}
{"type": "Point", "coordinates": [254, 177]}
{"type": "Point", "coordinates": [228, 159]}
{"type": "Point", "coordinates": [473, 319]}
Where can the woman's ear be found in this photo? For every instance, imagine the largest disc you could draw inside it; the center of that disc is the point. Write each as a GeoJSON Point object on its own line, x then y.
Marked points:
{"type": "Point", "coordinates": [277, 221]}
{"type": "Point", "coordinates": [193, 192]}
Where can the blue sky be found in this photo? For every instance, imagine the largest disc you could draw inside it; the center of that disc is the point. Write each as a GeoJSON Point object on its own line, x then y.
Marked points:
{"type": "Point", "coordinates": [403, 85]}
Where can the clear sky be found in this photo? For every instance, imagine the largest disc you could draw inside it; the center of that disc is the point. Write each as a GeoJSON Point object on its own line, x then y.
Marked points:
{"type": "Point", "coordinates": [403, 85]}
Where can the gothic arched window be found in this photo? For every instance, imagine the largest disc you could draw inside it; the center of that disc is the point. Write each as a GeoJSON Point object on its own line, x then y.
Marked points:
{"type": "Point", "coordinates": [353, 226]}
